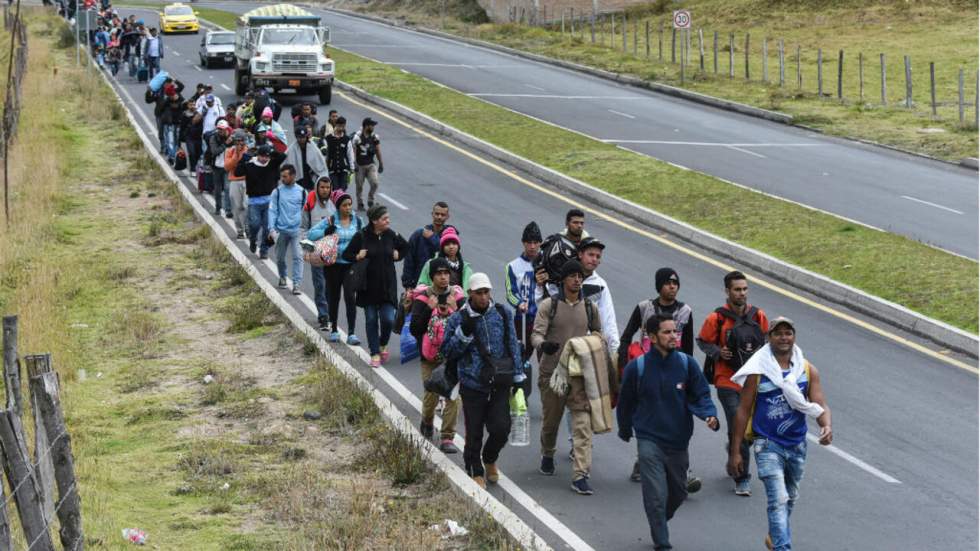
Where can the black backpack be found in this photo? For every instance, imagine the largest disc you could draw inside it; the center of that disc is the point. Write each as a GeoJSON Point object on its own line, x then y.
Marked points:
{"type": "Point", "coordinates": [745, 338]}
{"type": "Point", "coordinates": [556, 250]}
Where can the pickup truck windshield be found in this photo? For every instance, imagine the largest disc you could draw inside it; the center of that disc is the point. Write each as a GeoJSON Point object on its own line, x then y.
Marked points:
{"type": "Point", "coordinates": [299, 37]}
{"type": "Point", "coordinates": [178, 10]}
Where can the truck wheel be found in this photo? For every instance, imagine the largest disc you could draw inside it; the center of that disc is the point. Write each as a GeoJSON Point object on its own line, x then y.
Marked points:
{"type": "Point", "coordinates": [325, 93]}
{"type": "Point", "coordinates": [240, 82]}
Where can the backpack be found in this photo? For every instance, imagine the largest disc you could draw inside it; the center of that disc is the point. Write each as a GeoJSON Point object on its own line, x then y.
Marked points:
{"type": "Point", "coordinates": [555, 251]}
{"type": "Point", "coordinates": [640, 366]}
{"type": "Point", "coordinates": [435, 333]}
{"type": "Point", "coordinates": [590, 308]}
{"type": "Point", "coordinates": [745, 338]}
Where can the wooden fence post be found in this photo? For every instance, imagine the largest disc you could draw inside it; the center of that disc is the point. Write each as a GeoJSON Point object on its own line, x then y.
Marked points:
{"type": "Point", "coordinates": [731, 55]}
{"type": "Point", "coordinates": [746, 56]}
{"type": "Point", "coordinates": [11, 365]}
{"type": "Point", "coordinates": [932, 86]}
{"type": "Point", "coordinates": [647, 31]}
{"type": "Point", "coordinates": [959, 88]}
{"type": "Point", "coordinates": [683, 55]}
{"type": "Point", "coordinates": [782, 64]}
{"type": "Point", "coordinates": [714, 50]}
{"type": "Point", "coordinates": [660, 43]}
{"type": "Point", "coordinates": [20, 475]}
{"type": "Point", "coordinates": [45, 387]}
{"type": "Point", "coordinates": [636, 38]}
{"type": "Point", "coordinates": [673, 44]}
{"type": "Point", "coordinates": [592, 26]}
{"type": "Point", "coordinates": [562, 21]}
{"type": "Point", "coordinates": [765, 59]}
{"type": "Point", "coordinates": [907, 63]}
{"type": "Point", "coordinates": [44, 468]}
{"type": "Point", "coordinates": [625, 27]}
{"type": "Point", "coordinates": [799, 74]}
{"type": "Point", "coordinates": [840, 75]}
{"type": "Point", "coordinates": [819, 72]}
{"type": "Point", "coordinates": [884, 81]}
{"type": "Point", "coordinates": [861, 76]}
{"type": "Point", "coordinates": [701, 47]}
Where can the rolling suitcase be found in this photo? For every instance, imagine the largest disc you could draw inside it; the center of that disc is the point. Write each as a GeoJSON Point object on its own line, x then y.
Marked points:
{"type": "Point", "coordinates": [143, 73]}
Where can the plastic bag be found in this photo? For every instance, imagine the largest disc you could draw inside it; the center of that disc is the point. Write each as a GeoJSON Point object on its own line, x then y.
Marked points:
{"type": "Point", "coordinates": [409, 347]}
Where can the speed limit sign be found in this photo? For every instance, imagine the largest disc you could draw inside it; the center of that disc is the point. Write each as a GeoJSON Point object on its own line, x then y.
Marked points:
{"type": "Point", "coordinates": [682, 19]}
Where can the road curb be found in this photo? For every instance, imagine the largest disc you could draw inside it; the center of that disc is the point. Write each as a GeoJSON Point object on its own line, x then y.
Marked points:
{"type": "Point", "coordinates": [696, 97]}
{"type": "Point", "coordinates": [399, 422]}
{"type": "Point", "coordinates": [849, 297]}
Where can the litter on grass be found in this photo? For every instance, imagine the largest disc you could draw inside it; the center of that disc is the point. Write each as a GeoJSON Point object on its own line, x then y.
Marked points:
{"type": "Point", "coordinates": [450, 529]}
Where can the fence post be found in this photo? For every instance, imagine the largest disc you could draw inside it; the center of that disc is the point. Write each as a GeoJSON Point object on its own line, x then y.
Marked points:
{"type": "Point", "coordinates": [861, 76]}
{"type": "Point", "coordinates": [563, 22]}
{"type": "Point", "coordinates": [819, 72]}
{"type": "Point", "coordinates": [959, 88]}
{"type": "Point", "coordinates": [701, 47]}
{"type": "Point", "coordinates": [976, 104]}
{"type": "Point", "coordinates": [782, 64]}
{"type": "Point", "coordinates": [11, 364]}
{"type": "Point", "coordinates": [840, 75]}
{"type": "Point", "coordinates": [747, 56]}
{"type": "Point", "coordinates": [799, 74]}
{"type": "Point", "coordinates": [625, 28]}
{"type": "Point", "coordinates": [682, 58]}
{"type": "Point", "coordinates": [660, 43]}
{"type": "Point", "coordinates": [932, 86]}
{"type": "Point", "coordinates": [592, 26]}
{"type": "Point", "coordinates": [765, 59]}
{"type": "Point", "coordinates": [44, 468]}
{"type": "Point", "coordinates": [647, 31]}
{"type": "Point", "coordinates": [636, 38]}
{"type": "Point", "coordinates": [908, 82]}
{"type": "Point", "coordinates": [731, 55]}
{"type": "Point", "coordinates": [884, 82]}
{"type": "Point", "coordinates": [673, 44]}
{"type": "Point", "coordinates": [714, 50]}
{"type": "Point", "coordinates": [45, 388]}
{"type": "Point", "coordinates": [17, 465]}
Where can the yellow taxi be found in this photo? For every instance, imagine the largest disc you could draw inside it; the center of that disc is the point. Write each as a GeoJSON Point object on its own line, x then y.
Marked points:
{"type": "Point", "coordinates": [179, 18]}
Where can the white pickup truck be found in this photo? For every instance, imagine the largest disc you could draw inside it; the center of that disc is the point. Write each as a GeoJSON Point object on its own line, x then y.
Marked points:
{"type": "Point", "coordinates": [282, 47]}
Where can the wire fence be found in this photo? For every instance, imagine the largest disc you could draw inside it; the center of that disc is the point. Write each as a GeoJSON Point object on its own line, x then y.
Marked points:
{"type": "Point", "coordinates": [16, 71]}
{"type": "Point", "coordinates": [942, 91]}
{"type": "Point", "coordinates": [33, 480]}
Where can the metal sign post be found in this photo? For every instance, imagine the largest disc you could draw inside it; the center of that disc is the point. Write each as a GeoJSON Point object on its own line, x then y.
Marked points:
{"type": "Point", "coordinates": [682, 21]}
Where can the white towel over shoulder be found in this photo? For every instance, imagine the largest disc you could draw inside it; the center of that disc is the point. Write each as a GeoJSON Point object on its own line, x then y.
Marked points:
{"type": "Point", "coordinates": [764, 363]}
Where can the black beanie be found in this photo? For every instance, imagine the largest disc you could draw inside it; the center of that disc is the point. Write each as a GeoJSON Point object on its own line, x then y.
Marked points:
{"type": "Point", "coordinates": [572, 267]}
{"type": "Point", "coordinates": [436, 264]}
{"type": "Point", "coordinates": [531, 233]}
{"type": "Point", "coordinates": [664, 275]}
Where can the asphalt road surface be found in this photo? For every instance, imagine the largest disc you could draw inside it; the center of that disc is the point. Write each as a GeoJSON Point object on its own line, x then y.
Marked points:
{"type": "Point", "coordinates": [903, 471]}
{"type": "Point", "coordinates": [929, 201]}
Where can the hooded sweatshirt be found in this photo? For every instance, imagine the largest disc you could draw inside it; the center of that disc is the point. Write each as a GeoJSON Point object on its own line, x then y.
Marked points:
{"type": "Point", "coordinates": [315, 210]}
{"type": "Point", "coordinates": [286, 208]}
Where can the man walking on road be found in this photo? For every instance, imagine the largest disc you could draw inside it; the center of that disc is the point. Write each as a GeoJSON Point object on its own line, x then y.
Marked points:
{"type": "Point", "coordinates": [261, 174]}
{"type": "Point", "coordinates": [521, 282]}
{"type": "Point", "coordinates": [728, 337]}
{"type": "Point", "coordinates": [667, 283]}
{"type": "Point", "coordinates": [479, 340]}
{"type": "Point", "coordinates": [285, 216]}
{"type": "Point", "coordinates": [153, 52]}
{"type": "Point", "coordinates": [423, 244]}
{"type": "Point", "coordinates": [338, 155]}
{"type": "Point", "coordinates": [366, 147]}
{"type": "Point", "coordinates": [780, 389]}
{"type": "Point", "coordinates": [575, 226]}
{"type": "Point", "coordinates": [661, 390]}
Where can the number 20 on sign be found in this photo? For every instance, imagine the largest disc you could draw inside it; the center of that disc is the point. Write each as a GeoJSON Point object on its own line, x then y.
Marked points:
{"type": "Point", "coordinates": [682, 19]}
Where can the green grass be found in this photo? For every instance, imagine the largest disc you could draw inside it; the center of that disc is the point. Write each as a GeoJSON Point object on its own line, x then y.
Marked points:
{"type": "Point", "coordinates": [944, 32]}
{"type": "Point", "coordinates": [922, 278]}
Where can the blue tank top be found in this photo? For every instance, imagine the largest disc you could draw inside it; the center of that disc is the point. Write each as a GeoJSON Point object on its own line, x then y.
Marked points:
{"type": "Point", "coordinates": [773, 418]}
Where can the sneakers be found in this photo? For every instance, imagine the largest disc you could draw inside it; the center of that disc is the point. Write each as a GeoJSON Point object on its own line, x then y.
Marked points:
{"type": "Point", "coordinates": [282, 283]}
{"type": "Point", "coordinates": [334, 337]}
{"type": "Point", "coordinates": [693, 484]}
{"type": "Point", "coordinates": [324, 323]}
{"type": "Point", "coordinates": [229, 215]}
{"type": "Point", "coordinates": [264, 256]}
{"type": "Point", "coordinates": [426, 429]}
{"type": "Point", "coordinates": [447, 446]}
{"type": "Point", "coordinates": [296, 289]}
{"type": "Point", "coordinates": [547, 467]}
{"type": "Point", "coordinates": [385, 354]}
{"type": "Point", "coordinates": [240, 235]}
{"type": "Point", "coordinates": [375, 361]}
{"type": "Point", "coordinates": [571, 454]}
{"type": "Point", "coordinates": [493, 475]}
{"type": "Point", "coordinates": [635, 475]}
{"type": "Point", "coordinates": [769, 542]}
{"type": "Point", "coordinates": [582, 487]}
{"type": "Point", "coordinates": [480, 482]}
{"type": "Point", "coordinates": [743, 489]}
{"type": "Point", "coordinates": [353, 340]}
{"type": "Point", "coordinates": [251, 245]}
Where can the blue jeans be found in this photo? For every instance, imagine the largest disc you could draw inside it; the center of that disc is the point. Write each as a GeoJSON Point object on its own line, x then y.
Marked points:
{"type": "Point", "coordinates": [780, 469]}
{"type": "Point", "coordinates": [375, 314]}
{"type": "Point", "coordinates": [170, 140]}
{"type": "Point", "coordinates": [258, 222]}
{"type": "Point", "coordinates": [663, 473]}
{"type": "Point", "coordinates": [286, 242]}
{"type": "Point", "coordinates": [319, 277]}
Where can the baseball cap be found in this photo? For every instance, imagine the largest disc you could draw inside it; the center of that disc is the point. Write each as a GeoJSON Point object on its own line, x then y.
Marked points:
{"type": "Point", "coordinates": [781, 320]}
{"type": "Point", "coordinates": [302, 132]}
{"type": "Point", "coordinates": [209, 98]}
{"type": "Point", "coordinates": [369, 122]}
{"type": "Point", "coordinates": [479, 281]}
{"type": "Point", "coordinates": [590, 242]}
{"type": "Point", "coordinates": [222, 124]}
{"type": "Point", "coordinates": [265, 149]}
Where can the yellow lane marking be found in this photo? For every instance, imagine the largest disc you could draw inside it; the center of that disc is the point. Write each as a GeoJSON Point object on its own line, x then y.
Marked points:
{"type": "Point", "coordinates": [667, 242]}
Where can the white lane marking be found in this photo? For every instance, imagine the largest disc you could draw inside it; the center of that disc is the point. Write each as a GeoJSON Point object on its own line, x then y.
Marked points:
{"type": "Point", "coordinates": [225, 86]}
{"type": "Point", "coordinates": [392, 201]}
{"type": "Point", "coordinates": [747, 152]}
{"type": "Point", "coordinates": [715, 144]}
{"type": "Point", "coordinates": [854, 461]}
{"type": "Point", "coordinates": [931, 204]}
{"type": "Point", "coordinates": [452, 65]}
{"type": "Point", "coordinates": [198, 68]}
{"type": "Point", "coordinates": [621, 114]}
{"type": "Point", "coordinates": [533, 87]}
{"type": "Point", "coordinates": [399, 46]}
{"type": "Point", "coordinates": [545, 96]}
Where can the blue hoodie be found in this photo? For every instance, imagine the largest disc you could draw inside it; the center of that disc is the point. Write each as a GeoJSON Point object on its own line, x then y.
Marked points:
{"type": "Point", "coordinates": [659, 407]}
{"type": "Point", "coordinates": [490, 327]}
{"type": "Point", "coordinates": [286, 208]}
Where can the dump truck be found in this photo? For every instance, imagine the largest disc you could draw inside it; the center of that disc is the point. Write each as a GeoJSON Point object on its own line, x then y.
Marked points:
{"type": "Point", "coordinates": [283, 47]}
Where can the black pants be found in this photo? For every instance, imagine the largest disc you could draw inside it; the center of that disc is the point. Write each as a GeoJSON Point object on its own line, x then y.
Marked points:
{"type": "Point", "coordinates": [729, 402]}
{"type": "Point", "coordinates": [484, 410]}
{"type": "Point", "coordinates": [335, 281]}
{"type": "Point", "coordinates": [338, 180]}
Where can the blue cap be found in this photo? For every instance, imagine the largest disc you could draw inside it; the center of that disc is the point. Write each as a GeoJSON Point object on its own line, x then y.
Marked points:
{"type": "Point", "coordinates": [209, 98]}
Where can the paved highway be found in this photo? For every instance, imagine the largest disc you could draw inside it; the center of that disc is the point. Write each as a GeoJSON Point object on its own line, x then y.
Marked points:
{"type": "Point", "coordinates": [928, 201]}
{"type": "Point", "coordinates": [902, 476]}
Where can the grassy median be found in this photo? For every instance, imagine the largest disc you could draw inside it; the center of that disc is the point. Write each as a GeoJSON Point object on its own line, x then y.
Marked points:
{"type": "Point", "coordinates": [138, 304]}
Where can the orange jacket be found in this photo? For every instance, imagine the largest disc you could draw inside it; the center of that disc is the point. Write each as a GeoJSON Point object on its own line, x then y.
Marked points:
{"type": "Point", "coordinates": [232, 156]}
{"type": "Point", "coordinates": [711, 335]}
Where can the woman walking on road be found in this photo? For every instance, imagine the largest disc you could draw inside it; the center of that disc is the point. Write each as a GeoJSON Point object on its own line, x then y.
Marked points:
{"type": "Point", "coordinates": [346, 224]}
{"type": "Point", "coordinates": [381, 247]}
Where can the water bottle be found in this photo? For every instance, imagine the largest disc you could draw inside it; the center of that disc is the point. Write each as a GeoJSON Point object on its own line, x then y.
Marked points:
{"type": "Point", "coordinates": [520, 423]}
